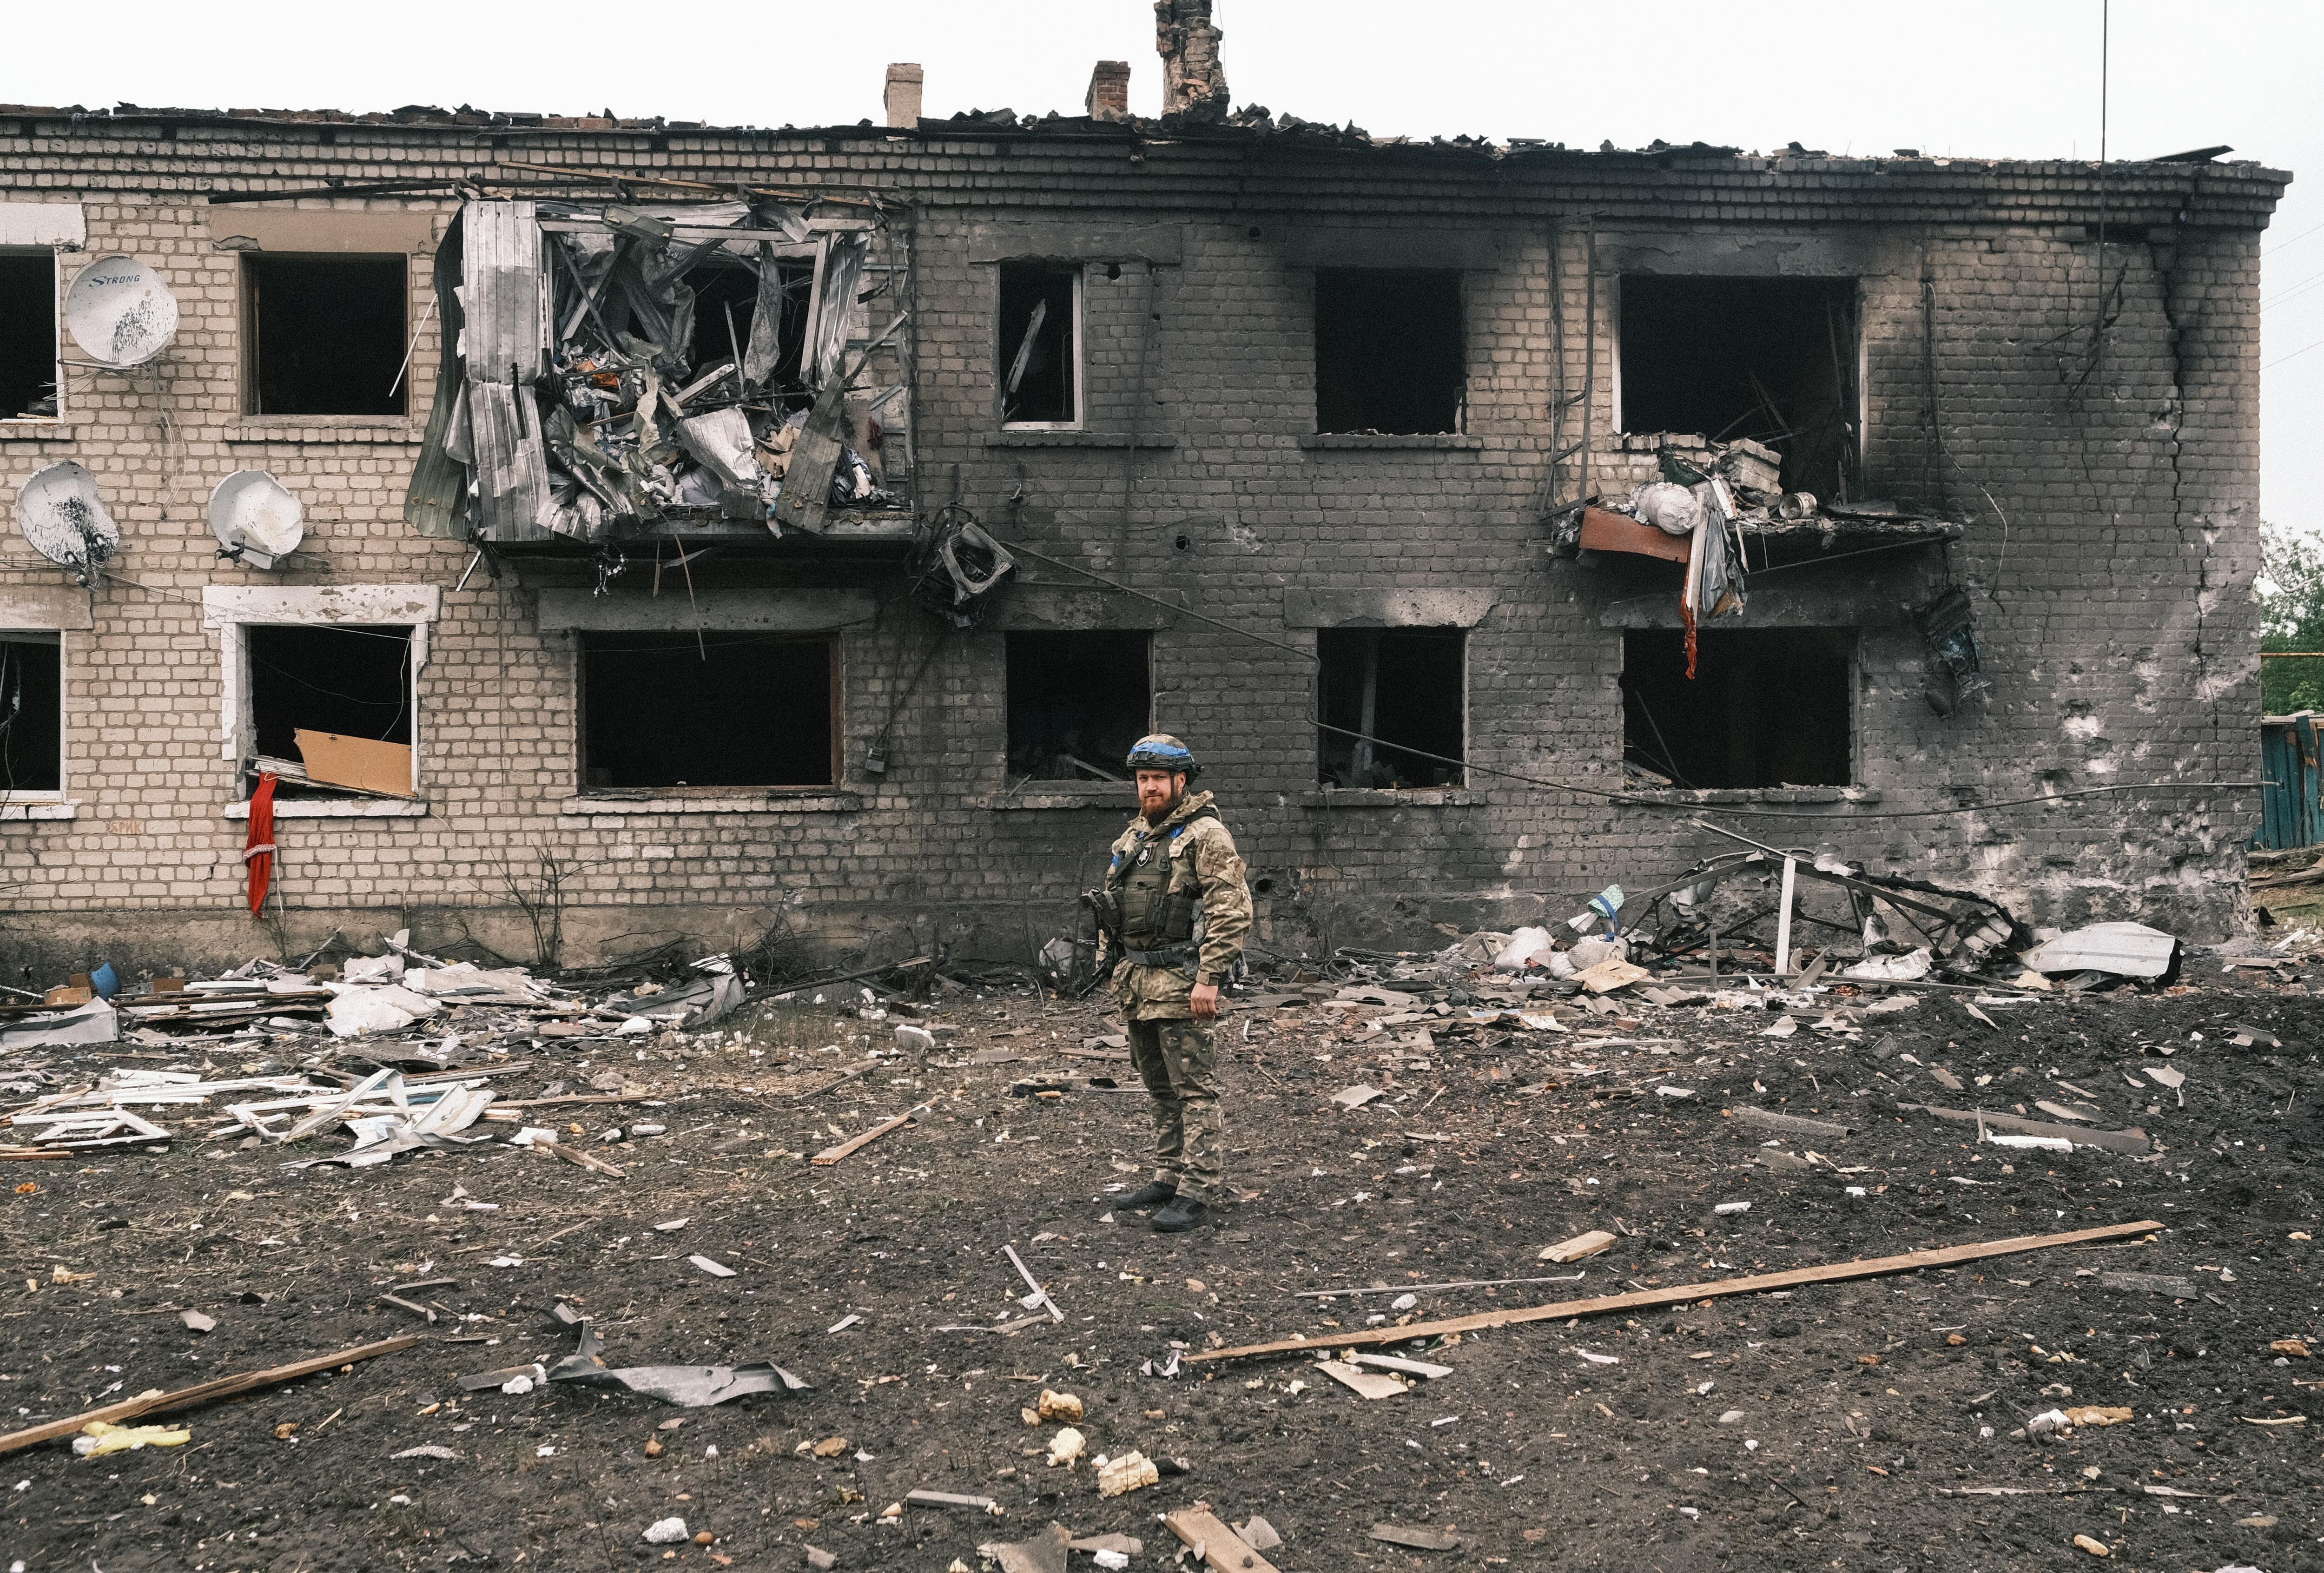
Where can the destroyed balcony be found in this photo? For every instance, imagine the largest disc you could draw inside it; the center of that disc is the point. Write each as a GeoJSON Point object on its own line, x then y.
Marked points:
{"type": "Point", "coordinates": [730, 372]}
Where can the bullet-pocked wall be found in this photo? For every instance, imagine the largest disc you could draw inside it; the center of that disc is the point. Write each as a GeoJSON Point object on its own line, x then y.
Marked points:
{"type": "Point", "coordinates": [2101, 459]}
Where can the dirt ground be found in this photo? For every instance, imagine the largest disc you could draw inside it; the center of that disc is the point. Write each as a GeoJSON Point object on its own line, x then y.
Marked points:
{"type": "Point", "coordinates": [1836, 1426]}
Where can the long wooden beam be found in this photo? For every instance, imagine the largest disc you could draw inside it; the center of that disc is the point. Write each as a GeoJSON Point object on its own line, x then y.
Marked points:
{"type": "Point", "coordinates": [1647, 1299]}
{"type": "Point", "coordinates": [185, 1397]}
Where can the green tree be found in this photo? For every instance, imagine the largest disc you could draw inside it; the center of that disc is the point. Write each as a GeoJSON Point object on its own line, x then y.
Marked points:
{"type": "Point", "coordinates": [2290, 618]}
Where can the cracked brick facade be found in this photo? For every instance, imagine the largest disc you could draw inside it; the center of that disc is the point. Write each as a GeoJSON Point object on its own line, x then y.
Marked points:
{"type": "Point", "coordinates": [2107, 482]}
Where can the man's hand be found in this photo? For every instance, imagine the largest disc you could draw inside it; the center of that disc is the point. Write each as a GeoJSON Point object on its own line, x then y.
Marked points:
{"type": "Point", "coordinates": [1205, 1002]}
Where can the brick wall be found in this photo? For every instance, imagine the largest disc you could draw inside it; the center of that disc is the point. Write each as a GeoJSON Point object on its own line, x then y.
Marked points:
{"type": "Point", "coordinates": [2111, 540]}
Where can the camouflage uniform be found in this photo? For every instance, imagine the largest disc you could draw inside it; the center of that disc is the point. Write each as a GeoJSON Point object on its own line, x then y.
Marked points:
{"type": "Point", "coordinates": [1163, 875]}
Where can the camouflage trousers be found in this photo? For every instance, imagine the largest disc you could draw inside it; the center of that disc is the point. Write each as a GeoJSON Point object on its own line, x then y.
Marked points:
{"type": "Point", "coordinates": [1178, 1063]}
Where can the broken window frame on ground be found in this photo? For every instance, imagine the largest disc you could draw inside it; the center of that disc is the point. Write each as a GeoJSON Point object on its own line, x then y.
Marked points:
{"type": "Point", "coordinates": [388, 366]}
{"type": "Point", "coordinates": [704, 648]}
{"type": "Point", "coordinates": [1649, 746]}
{"type": "Point", "coordinates": [40, 715]}
{"type": "Point", "coordinates": [1013, 277]}
{"type": "Point", "coordinates": [1342, 760]}
{"type": "Point", "coordinates": [1831, 467]}
{"type": "Point", "coordinates": [1339, 413]}
{"type": "Point", "coordinates": [230, 611]}
{"type": "Point", "coordinates": [40, 301]}
{"type": "Point", "coordinates": [1099, 759]}
{"type": "Point", "coordinates": [556, 420]}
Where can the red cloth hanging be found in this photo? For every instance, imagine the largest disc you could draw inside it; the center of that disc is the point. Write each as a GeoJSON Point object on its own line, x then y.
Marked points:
{"type": "Point", "coordinates": [258, 849]}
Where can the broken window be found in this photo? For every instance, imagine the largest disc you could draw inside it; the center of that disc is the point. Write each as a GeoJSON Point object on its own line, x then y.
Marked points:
{"type": "Point", "coordinates": [1040, 344]}
{"type": "Point", "coordinates": [330, 705]}
{"type": "Point", "coordinates": [725, 300]}
{"type": "Point", "coordinates": [1077, 703]}
{"type": "Point", "coordinates": [324, 335]}
{"type": "Point", "coordinates": [1388, 350]}
{"type": "Point", "coordinates": [1770, 359]}
{"type": "Point", "coordinates": [1404, 686]}
{"type": "Point", "coordinates": [28, 335]}
{"type": "Point", "coordinates": [31, 713]}
{"type": "Point", "coordinates": [1767, 707]}
{"type": "Point", "coordinates": [687, 709]}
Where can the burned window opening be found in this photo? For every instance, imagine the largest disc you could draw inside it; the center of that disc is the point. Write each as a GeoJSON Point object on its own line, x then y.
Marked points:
{"type": "Point", "coordinates": [1388, 355]}
{"type": "Point", "coordinates": [31, 713]}
{"type": "Point", "coordinates": [1077, 701]}
{"type": "Point", "coordinates": [681, 709]}
{"type": "Point", "coordinates": [325, 334]}
{"type": "Point", "coordinates": [1406, 687]}
{"type": "Point", "coordinates": [350, 682]}
{"type": "Point", "coordinates": [1766, 707]}
{"type": "Point", "coordinates": [727, 301]}
{"type": "Point", "coordinates": [1040, 344]}
{"type": "Point", "coordinates": [1770, 359]}
{"type": "Point", "coordinates": [28, 336]}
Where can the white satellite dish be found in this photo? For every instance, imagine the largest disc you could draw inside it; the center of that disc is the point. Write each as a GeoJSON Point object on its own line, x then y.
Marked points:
{"type": "Point", "coordinates": [120, 312]}
{"type": "Point", "coordinates": [256, 518]}
{"type": "Point", "coordinates": [60, 512]}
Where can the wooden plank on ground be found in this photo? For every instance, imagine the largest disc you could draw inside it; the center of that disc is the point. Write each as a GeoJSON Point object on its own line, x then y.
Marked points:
{"type": "Point", "coordinates": [1647, 1299]}
{"type": "Point", "coordinates": [186, 1397]}
{"type": "Point", "coordinates": [2133, 1140]}
{"type": "Point", "coordinates": [834, 1154]}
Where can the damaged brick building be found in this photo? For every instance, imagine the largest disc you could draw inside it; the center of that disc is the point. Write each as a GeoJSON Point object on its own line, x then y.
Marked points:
{"type": "Point", "coordinates": [615, 574]}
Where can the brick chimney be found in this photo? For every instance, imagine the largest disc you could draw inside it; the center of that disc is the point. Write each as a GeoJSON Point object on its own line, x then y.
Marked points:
{"type": "Point", "coordinates": [1192, 81]}
{"type": "Point", "coordinates": [904, 96]}
{"type": "Point", "coordinates": [1108, 91]}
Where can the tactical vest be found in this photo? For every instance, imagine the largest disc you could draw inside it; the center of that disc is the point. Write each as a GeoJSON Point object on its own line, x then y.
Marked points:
{"type": "Point", "coordinates": [1159, 891]}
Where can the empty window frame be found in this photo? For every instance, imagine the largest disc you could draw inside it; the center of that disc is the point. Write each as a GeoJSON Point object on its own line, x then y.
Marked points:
{"type": "Point", "coordinates": [1388, 353]}
{"type": "Point", "coordinates": [1770, 359]}
{"type": "Point", "coordinates": [1040, 344]}
{"type": "Point", "coordinates": [349, 686]}
{"type": "Point", "coordinates": [325, 335]}
{"type": "Point", "coordinates": [679, 709]}
{"type": "Point", "coordinates": [28, 335]}
{"type": "Point", "coordinates": [1408, 689]}
{"type": "Point", "coordinates": [32, 715]}
{"type": "Point", "coordinates": [1767, 707]}
{"type": "Point", "coordinates": [727, 299]}
{"type": "Point", "coordinates": [1077, 701]}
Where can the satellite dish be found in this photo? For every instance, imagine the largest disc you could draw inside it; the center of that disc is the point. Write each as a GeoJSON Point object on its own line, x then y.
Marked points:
{"type": "Point", "coordinates": [120, 312]}
{"type": "Point", "coordinates": [60, 512]}
{"type": "Point", "coordinates": [255, 518]}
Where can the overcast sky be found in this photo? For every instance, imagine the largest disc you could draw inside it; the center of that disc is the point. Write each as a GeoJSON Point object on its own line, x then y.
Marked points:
{"type": "Point", "coordinates": [2015, 79]}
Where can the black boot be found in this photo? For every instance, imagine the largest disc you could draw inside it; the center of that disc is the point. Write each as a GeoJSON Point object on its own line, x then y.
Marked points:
{"type": "Point", "coordinates": [1150, 1195]}
{"type": "Point", "coordinates": [1184, 1212]}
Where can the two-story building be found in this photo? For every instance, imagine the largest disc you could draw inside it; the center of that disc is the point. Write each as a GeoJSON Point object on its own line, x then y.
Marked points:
{"type": "Point", "coordinates": [622, 567]}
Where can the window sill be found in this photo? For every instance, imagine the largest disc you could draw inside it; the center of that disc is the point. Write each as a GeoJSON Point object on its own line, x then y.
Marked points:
{"type": "Point", "coordinates": [323, 428]}
{"type": "Point", "coordinates": [1035, 438]}
{"type": "Point", "coordinates": [1785, 795]}
{"type": "Point", "coordinates": [36, 431]}
{"type": "Point", "coordinates": [338, 809]}
{"type": "Point", "coordinates": [1037, 796]}
{"type": "Point", "coordinates": [18, 812]}
{"type": "Point", "coordinates": [1389, 798]}
{"type": "Point", "coordinates": [1430, 439]}
{"type": "Point", "coordinates": [593, 805]}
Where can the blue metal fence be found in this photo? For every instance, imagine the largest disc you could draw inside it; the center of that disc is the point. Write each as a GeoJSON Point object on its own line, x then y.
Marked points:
{"type": "Point", "coordinates": [2292, 811]}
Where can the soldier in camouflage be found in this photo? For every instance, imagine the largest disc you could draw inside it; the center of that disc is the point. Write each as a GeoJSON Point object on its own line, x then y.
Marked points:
{"type": "Point", "coordinates": [1176, 909]}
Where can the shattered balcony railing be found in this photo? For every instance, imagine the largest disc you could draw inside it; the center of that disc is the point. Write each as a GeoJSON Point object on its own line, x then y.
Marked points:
{"type": "Point", "coordinates": [620, 372]}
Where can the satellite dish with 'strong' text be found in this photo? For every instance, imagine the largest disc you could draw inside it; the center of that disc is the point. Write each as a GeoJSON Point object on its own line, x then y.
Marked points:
{"type": "Point", "coordinates": [60, 512]}
{"type": "Point", "coordinates": [256, 519]}
{"type": "Point", "coordinates": [120, 312]}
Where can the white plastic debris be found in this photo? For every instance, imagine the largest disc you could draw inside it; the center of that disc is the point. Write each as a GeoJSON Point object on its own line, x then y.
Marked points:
{"type": "Point", "coordinates": [2048, 1420]}
{"type": "Point", "coordinates": [1596, 951]}
{"type": "Point", "coordinates": [635, 1027]}
{"type": "Point", "coordinates": [390, 1008]}
{"type": "Point", "coordinates": [668, 1532]}
{"type": "Point", "coordinates": [517, 1386]}
{"type": "Point", "coordinates": [1893, 968]}
{"type": "Point", "coordinates": [1527, 947]}
{"type": "Point", "coordinates": [1112, 1561]}
{"type": "Point", "coordinates": [2032, 1144]}
{"type": "Point", "coordinates": [532, 1133]}
{"type": "Point", "coordinates": [911, 1039]}
{"type": "Point", "coordinates": [1732, 1207]}
{"type": "Point", "coordinates": [1404, 1302]}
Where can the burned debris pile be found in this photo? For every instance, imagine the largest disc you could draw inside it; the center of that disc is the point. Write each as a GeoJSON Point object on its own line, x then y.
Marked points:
{"type": "Point", "coordinates": [663, 369]}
